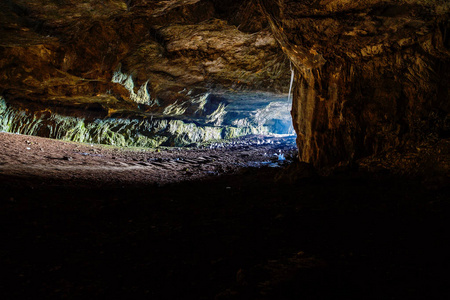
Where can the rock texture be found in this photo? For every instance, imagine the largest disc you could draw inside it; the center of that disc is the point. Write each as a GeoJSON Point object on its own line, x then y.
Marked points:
{"type": "Point", "coordinates": [61, 51]}
{"type": "Point", "coordinates": [370, 75]}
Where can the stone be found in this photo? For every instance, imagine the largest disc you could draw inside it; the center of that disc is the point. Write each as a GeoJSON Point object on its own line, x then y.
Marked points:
{"type": "Point", "coordinates": [369, 76]}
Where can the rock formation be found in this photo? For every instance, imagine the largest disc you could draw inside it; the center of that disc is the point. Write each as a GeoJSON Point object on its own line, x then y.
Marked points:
{"type": "Point", "coordinates": [65, 50]}
{"type": "Point", "coordinates": [369, 75]}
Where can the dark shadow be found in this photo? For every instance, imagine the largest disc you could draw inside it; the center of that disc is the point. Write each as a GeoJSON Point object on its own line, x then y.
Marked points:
{"type": "Point", "coordinates": [244, 236]}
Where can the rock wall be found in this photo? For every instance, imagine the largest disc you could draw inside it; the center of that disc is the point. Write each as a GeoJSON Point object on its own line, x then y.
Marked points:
{"type": "Point", "coordinates": [369, 75]}
{"type": "Point", "coordinates": [53, 50]}
{"type": "Point", "coordinates": [93, 65]}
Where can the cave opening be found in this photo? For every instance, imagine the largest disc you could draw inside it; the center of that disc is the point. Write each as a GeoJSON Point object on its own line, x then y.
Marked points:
{"type": "Point", "coordinates": [206, 118]}
{"type": "Point", "coordinates": [206, 149]}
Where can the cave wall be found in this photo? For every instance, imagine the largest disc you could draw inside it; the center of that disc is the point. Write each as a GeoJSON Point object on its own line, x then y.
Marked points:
{"type": "Point", "coordinates": [140, 73]}
{"type": "Point", "coordinates": [369, 75]}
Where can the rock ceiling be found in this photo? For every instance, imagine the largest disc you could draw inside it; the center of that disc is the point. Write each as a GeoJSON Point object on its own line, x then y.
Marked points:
{"type": "Point", "coordinates": [369, 75]}
{"type": "Point", "coordinates": [54, 49]}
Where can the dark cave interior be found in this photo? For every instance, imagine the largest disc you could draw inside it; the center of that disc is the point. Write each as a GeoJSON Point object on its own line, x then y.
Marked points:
{"type": "Point", "coordinates": [206, 149]}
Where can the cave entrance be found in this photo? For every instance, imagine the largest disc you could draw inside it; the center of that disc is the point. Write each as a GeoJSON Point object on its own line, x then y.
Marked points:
{"type": "Point", "coordinates": [209, 135]}
{"type": "Point", "coordinates": [203, 119]}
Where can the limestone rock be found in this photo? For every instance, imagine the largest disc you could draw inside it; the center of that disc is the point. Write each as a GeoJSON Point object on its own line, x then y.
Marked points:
{"type": "Point", "coordinates": [69, 48]}
{"type": "Point", "coordinates": [370, 75]}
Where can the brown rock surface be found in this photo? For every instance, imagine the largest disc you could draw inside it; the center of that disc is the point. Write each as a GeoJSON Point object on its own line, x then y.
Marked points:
{"type": "Point", "coordinates": [370, 75]}
{"type": "Point", "coordinates": [66, 49]}
{"type": "Point", "coordinates": [82, 221]}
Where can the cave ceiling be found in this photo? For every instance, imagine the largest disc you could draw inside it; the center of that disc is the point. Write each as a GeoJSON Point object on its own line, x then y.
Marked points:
{"type": "Point", "coordinates": [62, 51]}
{"type": "Point", "coordinates": [369, 74]}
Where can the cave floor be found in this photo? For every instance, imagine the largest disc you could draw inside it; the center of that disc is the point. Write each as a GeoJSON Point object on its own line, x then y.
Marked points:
{"type": "Point", "coordinates": [44, 162]}
{"type": "Point", "coordinates": [81, 221]}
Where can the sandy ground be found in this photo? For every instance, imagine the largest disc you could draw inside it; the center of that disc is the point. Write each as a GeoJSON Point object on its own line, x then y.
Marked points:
{"type": "Point", "coordinates": [96, 222]}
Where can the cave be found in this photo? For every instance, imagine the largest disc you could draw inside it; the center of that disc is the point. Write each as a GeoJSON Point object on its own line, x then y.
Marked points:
{"type": "Point", "coordinates": [207, 149]}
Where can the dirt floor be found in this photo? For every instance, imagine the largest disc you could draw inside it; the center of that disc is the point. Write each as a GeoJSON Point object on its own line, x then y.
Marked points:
{"type": "Point", "coordinates": [48, 162]}
{"type": "Point", "coordinates": [234, 221]}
